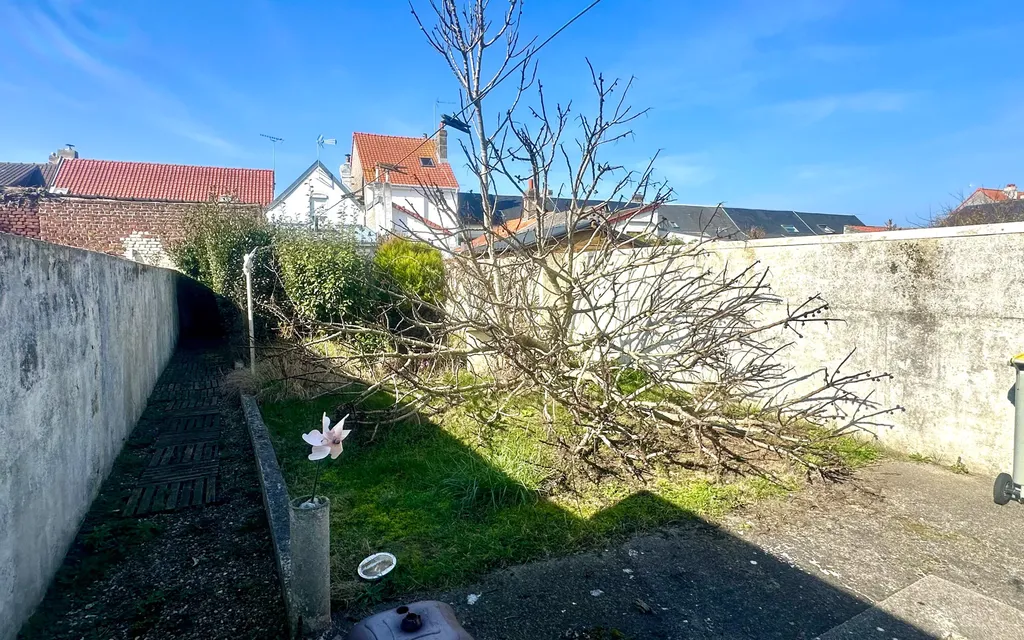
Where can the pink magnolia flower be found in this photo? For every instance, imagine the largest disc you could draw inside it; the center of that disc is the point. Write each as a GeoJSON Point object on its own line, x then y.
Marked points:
{"type": "Point", "coordinates": [328, 441]}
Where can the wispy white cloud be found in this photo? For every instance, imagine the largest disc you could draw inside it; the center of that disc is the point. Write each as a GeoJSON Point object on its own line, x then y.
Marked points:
{"type": "Point", "coordinates": [12, 88]}
{"type": "Point", "coordinates": [63, 41]}
{"type": "Point", "coordinates": [838, 178]}
{"type": "Point", "coordinates": [821, 107]}
{"type": "Point", "coordinates": [833, 52]}
{"type": "Point", "coordinates": [684, 170]}
{"type": "Point", "coordinates": [725, 57]}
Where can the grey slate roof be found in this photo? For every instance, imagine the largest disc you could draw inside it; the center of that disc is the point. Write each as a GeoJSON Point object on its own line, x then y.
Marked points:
{"type": "Point", "coordinates": [723, 222]}
{"type": "Point", "coordinates": [696, 220]}
{"type": "Point", "coordinates": [27, 174]}
{"type": "Point", "coordinates": [825, 224]}
{"type": "Point", "coordinates": [774, 224]}
{"type": "Point", "coordinates": [511, 207]}
{"type": "Point", "coordinates": [471, 209]}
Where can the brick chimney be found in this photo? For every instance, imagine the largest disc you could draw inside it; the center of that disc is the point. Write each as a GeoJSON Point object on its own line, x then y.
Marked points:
{"type": "Point", "coordinates": [442, 144]}
{"type": "Point", "coordinates": [346, 170]}
{"type": "Point", "coordinates": [67, 152]}
{"type": "Point", "coordinates": [1011, 192]}
{"type": "Point", "coordinates": [531, 201]}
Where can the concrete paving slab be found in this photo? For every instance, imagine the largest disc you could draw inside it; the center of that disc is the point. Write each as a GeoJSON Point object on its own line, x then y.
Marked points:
{"type": "Point", "coordinates": [933, 608]}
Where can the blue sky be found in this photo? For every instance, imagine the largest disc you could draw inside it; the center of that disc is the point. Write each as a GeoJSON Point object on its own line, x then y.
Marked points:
{"type": "Point", "coordinates": [880, 108]}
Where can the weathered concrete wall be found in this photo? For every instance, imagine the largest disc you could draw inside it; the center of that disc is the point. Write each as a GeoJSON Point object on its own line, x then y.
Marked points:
{"type": "Point", "coordinates": [83, 338]}
{"type": "Point", "coordinates": [939, 309]}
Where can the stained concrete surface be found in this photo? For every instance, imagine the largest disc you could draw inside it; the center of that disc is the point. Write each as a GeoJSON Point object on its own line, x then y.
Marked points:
{"type": "Point", "coordinates": [794, 568]}
{"type": "Point", "coordinates": [933, 608]}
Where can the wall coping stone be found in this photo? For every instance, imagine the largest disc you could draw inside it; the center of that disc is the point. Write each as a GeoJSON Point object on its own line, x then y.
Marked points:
{"type": "Point", "coordinates": [275, 501]}
{"type": "Point", "coordinates": [878, 236]}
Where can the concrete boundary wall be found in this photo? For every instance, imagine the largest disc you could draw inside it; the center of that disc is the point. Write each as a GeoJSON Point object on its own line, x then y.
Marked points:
{"type": "Point", "coordinates": [939, 309]}
{"type": "Point", "coordinates": [83, 338]}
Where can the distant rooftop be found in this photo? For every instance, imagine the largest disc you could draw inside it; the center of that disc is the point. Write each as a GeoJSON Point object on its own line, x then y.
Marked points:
{"type": "Point", "coordinates": [27, 174]}
{"type": "Point", "coordinates": [408, 154]}
{"type": "Point", "coordinates": [713, 221]}
{"type": "Point", "coordinates": [167, 182]}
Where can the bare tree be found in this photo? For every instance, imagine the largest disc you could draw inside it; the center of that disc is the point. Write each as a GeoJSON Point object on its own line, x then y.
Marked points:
{"type": "Point", "coordinates": [961, 213]}
{"type": "Point", "coordinates": [638, 349]}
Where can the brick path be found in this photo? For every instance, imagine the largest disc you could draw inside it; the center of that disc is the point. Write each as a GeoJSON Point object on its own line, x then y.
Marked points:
{"type": "Point", "coordinates": [183, 468]}
{"type": "Point", "coordinates": [176, 545]}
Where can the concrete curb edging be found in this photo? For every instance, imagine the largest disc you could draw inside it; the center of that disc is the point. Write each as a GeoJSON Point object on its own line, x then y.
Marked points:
{"type": "Point", "coordinates": [275, 501]}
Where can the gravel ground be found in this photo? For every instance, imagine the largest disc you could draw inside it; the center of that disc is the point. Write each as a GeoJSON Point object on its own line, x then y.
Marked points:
{"type": "Point", "coordinates": [201, 572]}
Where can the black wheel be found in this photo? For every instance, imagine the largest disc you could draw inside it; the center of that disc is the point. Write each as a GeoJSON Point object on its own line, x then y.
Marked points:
{"type": "Point", "coordinates": [1003, 489]}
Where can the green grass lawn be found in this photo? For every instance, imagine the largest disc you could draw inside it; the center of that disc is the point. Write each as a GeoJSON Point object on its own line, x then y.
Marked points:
{"type": "Point", "coordinates": [451, 504]}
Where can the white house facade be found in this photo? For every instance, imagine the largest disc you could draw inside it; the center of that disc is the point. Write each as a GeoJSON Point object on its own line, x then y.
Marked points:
{"type": "Point", "coordinates": [407, 186]}
{"type": "Point", "coordinates": [315, 200]}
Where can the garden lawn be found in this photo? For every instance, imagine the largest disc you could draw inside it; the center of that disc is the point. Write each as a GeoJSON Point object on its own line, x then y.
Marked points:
{"type": "Point", "coordinates": [451, 504]}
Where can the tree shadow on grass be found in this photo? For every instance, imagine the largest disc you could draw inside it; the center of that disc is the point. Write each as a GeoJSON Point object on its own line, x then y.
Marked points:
{"type": "Point", "coordinates": [452, 509]}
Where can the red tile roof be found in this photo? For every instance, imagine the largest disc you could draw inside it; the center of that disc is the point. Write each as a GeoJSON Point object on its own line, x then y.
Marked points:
{"type": "Point", "coordinates": [406, 153]}
{"type": "Point", "coordinates": [168, 182]}
{"type": "Point", "coordinates": [504, 230]}
{"type": "Point", "coordinates": [995, 194]}
{"type": "Point", "coordinates": [858, 228]}
{"type": "Point", "coordinates": [416, 216]}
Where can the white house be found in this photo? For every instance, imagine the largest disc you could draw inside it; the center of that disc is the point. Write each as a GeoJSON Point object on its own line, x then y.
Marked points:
{"type": "Point", "coordinates": [315, 200]}
{"type": "Point", "coordinates": [408, 188]}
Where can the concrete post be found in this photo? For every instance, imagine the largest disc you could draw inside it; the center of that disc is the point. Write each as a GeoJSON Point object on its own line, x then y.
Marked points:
{"type": "Point", "coordinates": [247, 269]}
{"type": "Point", "coordinates": [311, 564]}
{"type": "Point", "coordinates": [1018, 422]}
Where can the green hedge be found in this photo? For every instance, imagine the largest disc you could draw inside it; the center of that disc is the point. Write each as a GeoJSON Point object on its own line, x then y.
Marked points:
{"type": "Point", "coordinates": [325, 277]}
{"type": "Point", "coordinates": [319, 277]}
{"type": "Point", "coordinates": [412, 268]}
{"type": "Point", "coordinates": [217, 237]}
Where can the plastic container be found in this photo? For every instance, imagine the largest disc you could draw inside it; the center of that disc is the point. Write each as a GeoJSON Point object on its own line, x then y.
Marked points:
{"type": "Point", "coordinates": [426, 619]}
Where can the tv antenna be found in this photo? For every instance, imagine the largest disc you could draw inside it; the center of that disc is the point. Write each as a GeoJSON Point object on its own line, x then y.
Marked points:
{"type": "Point", "coordinates": [273, 140]}
{"type": "Point", "coordinates": [437, 102]}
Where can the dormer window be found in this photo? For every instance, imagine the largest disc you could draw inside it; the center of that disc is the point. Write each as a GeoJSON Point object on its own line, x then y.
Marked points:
{"type": "Point", "coordinates": [426, 162]}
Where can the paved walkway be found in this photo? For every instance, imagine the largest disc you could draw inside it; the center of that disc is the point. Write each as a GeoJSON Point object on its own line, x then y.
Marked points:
{"type": "Point", "coordinates": [176, 545]}
{"type": "Point", "coordinates": [926, 545]}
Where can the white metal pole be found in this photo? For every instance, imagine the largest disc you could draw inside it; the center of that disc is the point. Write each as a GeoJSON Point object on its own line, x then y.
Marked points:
{"type": "Point", "coordinates": [247, 268]}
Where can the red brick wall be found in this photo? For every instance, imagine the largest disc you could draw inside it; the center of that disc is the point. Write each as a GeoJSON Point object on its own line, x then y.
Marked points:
{"type": "Point", "coordinates": [94, 223]}
{"type": "Point", "coordinates": [18, 214]}
{"type": "Point", "coordinates": [102, 225]}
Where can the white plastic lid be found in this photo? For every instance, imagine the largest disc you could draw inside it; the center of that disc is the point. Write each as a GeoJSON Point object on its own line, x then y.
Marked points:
{"type": "Point", "coordinates": [376, 566]}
